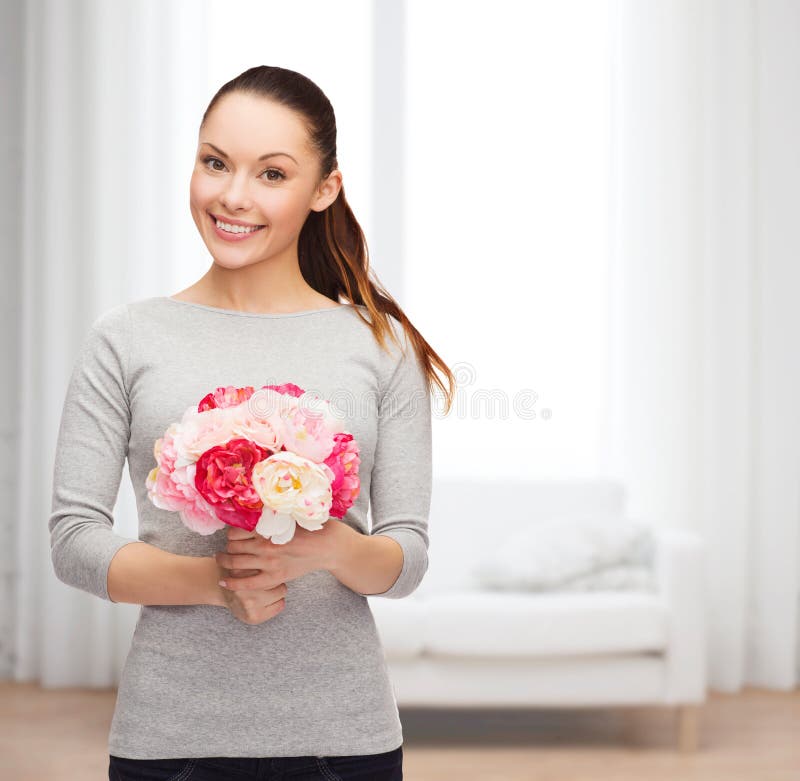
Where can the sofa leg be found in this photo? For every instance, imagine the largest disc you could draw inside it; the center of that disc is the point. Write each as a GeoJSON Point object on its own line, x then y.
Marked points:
{"type": "Point", "coordinates": [688, 727]}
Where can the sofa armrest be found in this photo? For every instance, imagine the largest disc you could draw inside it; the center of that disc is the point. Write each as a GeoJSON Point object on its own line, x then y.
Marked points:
{"type": "Point", "coordinates": [680, 574]}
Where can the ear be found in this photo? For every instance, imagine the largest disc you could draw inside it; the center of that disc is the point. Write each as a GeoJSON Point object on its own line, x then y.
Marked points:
{"type": "Point", "coordinates": [327, 191]}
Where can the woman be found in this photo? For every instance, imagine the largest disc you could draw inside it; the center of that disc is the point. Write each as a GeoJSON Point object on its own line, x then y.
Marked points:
{"type": "Point", "coordinates": [250, 656]}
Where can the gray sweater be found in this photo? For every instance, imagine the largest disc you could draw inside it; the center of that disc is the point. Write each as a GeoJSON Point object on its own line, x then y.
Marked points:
{"type": "Point", "coordinates": [198, 682]}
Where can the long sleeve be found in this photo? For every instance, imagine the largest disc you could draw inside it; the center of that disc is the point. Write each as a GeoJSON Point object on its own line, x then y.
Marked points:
{"type": "Point", "coordinates": [90, 454]}
{"type": "Point", "coordinates": [400, 487]}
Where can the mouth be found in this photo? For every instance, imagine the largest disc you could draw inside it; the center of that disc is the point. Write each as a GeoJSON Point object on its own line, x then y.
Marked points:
{"type": "Point", "coordinates": [245, 229]}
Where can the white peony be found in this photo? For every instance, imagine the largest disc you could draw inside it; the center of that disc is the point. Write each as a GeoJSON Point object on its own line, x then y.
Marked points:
{"type": "Point", "coordinates": [294, 490]}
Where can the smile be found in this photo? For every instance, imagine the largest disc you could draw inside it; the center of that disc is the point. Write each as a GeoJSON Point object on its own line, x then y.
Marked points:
{"type": "Point", "coordinates": [231, 232]}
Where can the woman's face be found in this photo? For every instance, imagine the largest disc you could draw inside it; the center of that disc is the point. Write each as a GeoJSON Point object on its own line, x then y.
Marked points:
{"type": "Point", "coordinates": [231, 182]}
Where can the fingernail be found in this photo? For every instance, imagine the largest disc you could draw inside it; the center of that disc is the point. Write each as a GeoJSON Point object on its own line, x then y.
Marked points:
{"type": "Point", "coordinates": [222, 583]}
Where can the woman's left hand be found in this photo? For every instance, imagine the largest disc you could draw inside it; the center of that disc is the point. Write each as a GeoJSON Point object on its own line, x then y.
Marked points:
{"type": "Point", "coordinates": [248, 550]}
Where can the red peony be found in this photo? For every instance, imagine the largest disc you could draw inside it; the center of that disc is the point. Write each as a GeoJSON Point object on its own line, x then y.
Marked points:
{"type": "Point", "coordinates": [224, 479]}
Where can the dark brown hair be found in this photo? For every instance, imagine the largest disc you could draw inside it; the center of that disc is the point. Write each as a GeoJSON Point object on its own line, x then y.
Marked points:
{"type": "Point", "coordinates": [332, 248]}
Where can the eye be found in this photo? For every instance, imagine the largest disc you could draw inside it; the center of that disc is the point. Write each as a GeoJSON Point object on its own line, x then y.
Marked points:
{"type": "Point", "coordinates": [208, 158]}
{"type": "Point", "coordinates": [281, 175]}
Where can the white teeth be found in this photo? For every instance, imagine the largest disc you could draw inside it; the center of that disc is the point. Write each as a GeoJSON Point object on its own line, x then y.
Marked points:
{"type": "Point", "coordinates": [235, 228]}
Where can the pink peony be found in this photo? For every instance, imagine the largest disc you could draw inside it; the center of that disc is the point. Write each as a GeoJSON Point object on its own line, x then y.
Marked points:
{"type": "Point", "coordinates": [309, 427]}
{"type": "Point", "coordinates": [172, 488]}
{"type": "Point", "coordinates": [224, 396]}
{"type": "Point", "coordinates": [248, 423]}
{"type": "Point", "coordinates": [346, 485]}
{"type": "Point", "coordinates": [200, 431]}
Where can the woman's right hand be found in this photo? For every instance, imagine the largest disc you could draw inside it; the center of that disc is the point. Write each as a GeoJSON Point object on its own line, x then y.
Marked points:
{"type": "Point", "coordinates": [252, 606]}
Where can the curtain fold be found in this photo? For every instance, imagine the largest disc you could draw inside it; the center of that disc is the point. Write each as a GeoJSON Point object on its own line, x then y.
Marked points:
{"type": "Point", "coordinates": [112, 92]}
{"type": "Point", "coordinates": [705, 369]}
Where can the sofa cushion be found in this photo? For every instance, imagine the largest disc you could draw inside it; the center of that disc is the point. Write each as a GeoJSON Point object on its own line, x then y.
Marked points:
{"type": "Point", "coordinates": [466, 513]}
{"type": "Point", "coordinates": [499, 624]}
{"type": "Point", "coordinates": [551, 553]}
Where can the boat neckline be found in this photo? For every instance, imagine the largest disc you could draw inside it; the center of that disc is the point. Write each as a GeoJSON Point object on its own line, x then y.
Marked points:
{"type": "Point", "coordinates": [222, 311]}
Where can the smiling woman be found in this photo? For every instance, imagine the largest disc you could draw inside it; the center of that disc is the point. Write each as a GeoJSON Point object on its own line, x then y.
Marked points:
{"type": "Point", "coordinates": [286, 664]}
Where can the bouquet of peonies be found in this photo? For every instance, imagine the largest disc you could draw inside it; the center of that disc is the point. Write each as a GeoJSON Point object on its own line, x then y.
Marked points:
{"type": "Point", "coordinates": [264, 460]}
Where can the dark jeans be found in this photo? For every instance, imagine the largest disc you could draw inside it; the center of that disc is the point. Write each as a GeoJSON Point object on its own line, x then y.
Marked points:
{"type": "Point", "coordinates": [387, 766]}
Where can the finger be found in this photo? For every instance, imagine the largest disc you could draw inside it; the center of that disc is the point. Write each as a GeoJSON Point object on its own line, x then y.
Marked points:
{"type": "Point", "coordinates": [237, 560]}
{"type": "Point", "coordinates": [249, 583]}
{"type": "Point", "coordinates": [249, 545]}
{"type": "Point", "coordinates": [237, 533]}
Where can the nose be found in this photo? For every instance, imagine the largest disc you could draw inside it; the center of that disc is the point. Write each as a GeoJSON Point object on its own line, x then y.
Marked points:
{"type": "Point", "coordinates": [236, 196]}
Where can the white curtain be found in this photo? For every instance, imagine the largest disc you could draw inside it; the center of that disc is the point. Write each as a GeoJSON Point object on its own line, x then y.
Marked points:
{"type": "Point", "coordinates": [112, 97]}
{"type": "Point", "coordinates": [705, 275]}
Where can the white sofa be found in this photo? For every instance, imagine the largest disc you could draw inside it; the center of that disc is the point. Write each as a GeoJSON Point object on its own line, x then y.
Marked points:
{"type": "Point", "coordinates": [452, 644]}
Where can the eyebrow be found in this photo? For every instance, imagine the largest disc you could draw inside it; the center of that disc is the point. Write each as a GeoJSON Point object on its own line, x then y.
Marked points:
{"type": "Point", "coordinates": [263, 157]}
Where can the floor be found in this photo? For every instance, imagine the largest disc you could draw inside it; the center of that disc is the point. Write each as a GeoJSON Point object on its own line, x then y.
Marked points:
{"type": "Point", "coordinates": [751, 736]}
